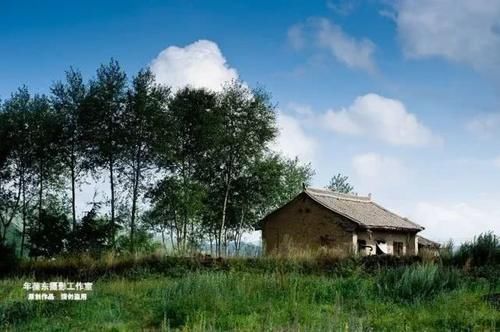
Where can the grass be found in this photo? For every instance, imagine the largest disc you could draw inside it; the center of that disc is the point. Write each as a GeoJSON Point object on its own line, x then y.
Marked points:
{"type": "Point", "coordinates": [255, 301]}
{"type": "Point", "coordinates": [417, 282]}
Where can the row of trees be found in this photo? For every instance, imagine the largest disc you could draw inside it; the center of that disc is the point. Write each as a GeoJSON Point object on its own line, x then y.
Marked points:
{"type": "Point", "coordinates": [193, 165]}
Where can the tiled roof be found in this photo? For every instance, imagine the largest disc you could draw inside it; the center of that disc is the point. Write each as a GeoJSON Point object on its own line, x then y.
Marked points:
{"type": "Point", "coordinates": [427, 243]}
{"type": "Point", "coordinates": [360, 209]}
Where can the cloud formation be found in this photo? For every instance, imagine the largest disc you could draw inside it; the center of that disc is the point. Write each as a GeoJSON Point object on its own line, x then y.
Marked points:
{"type": "Point", "coordinates": [485, 125]}
{"type": "Point", "coordinates": [323, 34]}
{"type": "Point", "coordinates": [464, 31]}
{"type": "Point", "coordinates": [292, 140]}
{"type": "Point", "coordinates": [374, 169]}
{"type": "Point", "coordinates": [200, 65]}
{"type": "Point", "coordinates": [381, 118]}
{"type": "Point", "coordinates": [460, 221]}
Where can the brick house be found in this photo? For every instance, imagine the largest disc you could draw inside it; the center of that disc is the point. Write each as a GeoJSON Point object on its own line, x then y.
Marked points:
{"type": "Point", "coordinates": [322, 218]}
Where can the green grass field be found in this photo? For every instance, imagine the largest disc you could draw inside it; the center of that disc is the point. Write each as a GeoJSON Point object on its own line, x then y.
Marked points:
{"type": "Point", "coordinates": [252, 301]}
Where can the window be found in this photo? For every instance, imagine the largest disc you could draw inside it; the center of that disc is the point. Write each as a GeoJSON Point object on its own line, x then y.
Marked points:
{"type": "Point", "coordinates": [397, 248]}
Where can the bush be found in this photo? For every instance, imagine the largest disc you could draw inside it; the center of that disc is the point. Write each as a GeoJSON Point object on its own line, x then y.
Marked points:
{"type": "Point", "coordinates": [48, 234]}
{"type": "Point", "coordinates": [417, 282]}
{"type": "Point", "coordinates": [144, 243]}
{"type": "Point", "coordinates": [91, 235]}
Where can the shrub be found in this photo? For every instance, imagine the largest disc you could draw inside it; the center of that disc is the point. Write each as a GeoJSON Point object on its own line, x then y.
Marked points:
{"type": "Point", "coordinates": [48, 233]}
{"type": "Point", "coordinates": [93, 234]}
{"type": "Point", "coordinates": [416, 282]}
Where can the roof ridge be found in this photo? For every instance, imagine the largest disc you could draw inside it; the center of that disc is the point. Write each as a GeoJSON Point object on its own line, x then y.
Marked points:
{"type": "Point", "coordinates": [324, 194]}
{"type": "Point", "coordinates": [339, 195]}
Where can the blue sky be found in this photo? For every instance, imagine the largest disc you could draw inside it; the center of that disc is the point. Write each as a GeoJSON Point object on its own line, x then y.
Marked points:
{"type": "Point", "coordinates": [401, 96]}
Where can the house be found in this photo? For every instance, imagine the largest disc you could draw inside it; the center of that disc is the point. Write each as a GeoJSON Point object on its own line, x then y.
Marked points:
{"type": "Point", "coordinates": [322, 218]}
{"type": "Point", "coordinates": [429, 246]}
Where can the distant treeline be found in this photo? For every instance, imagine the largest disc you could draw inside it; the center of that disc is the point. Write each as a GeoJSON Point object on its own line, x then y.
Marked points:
{"type": "Point", "coordinates": [192, 165]}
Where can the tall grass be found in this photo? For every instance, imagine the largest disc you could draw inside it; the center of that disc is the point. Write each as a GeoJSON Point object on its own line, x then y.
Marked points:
{"type": "Point", "coordinates": [482, 250]}
{"type": "Point", "coordinates": [417, 282]}
{"type": "Point", "coordinates": [246, 301]}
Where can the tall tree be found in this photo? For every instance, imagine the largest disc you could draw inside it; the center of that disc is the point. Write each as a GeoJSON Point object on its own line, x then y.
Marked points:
{"type": "Point", "coordinates": [247, 125]}
{"type": "Point", "coordinates": [190, 137]}
{"type": "Point", "coordinates": [10, 190]}
{"type": "Point", "coordinates": [18, 111]}
{"type": "Point", "coordinates": [340, 183]}
{"type": "Point", "coordinates": [147, 104]}
{"type": "Point", "coordinates": [47, 139]}
{"type": "Point", "coordinates": [68, 98]}
{"type": "Point", "coordinates": [102, 125]}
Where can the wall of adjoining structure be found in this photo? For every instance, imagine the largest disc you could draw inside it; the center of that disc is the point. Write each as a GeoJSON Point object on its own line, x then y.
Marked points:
{"type": "Point", "coordinates": [304, 224]}
{"type": "Point", "coordinates": [409, 241]}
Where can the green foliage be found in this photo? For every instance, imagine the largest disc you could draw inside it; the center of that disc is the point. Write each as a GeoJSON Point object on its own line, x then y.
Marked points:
{"type": "Point", "coordinates": [144, 243]}
{"type": "Point", "coordinates": [67, 100]}
{"type": "Point", "coordinates": [482, 250]}
{"type": "Point", "coordinates": [340, 183]}
{"type": "Point", "coordinates": [416, 282]}
{"type": "Point", "coordinates": [92, 235]}
{"type": "Point", "coordinates": [47, 236]}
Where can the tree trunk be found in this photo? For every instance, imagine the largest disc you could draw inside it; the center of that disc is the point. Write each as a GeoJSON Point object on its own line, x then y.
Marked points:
{"type": "Point", "coordinates": [23, 234]}
{"type": "Point", "coordinates": [172, 237]}
{"type": "Point", "coordinates": [223, 221]}
{"type": "Point", "coordinates": [40, 198]}
{"type": "Point", "coordinates": [135, 194]}
{"type": "Point", "coordinates": [73, 191]}
{"type": "Point", "coordinates": [112, 187]}
{"type": "Point", "coordinates": [239, 232]}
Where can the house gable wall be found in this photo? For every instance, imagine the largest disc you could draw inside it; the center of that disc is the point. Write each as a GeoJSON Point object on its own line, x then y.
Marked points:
{"type": "Point", "coordinates": [306, 225]}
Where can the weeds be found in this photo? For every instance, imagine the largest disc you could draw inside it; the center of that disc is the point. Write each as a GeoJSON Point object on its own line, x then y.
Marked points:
{"type": "Point", "coordinates": [417, 282]}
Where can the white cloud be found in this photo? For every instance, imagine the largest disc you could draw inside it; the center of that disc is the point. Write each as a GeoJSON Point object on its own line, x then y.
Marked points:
{"type": "Point", "coordinates": [200, 65]}
{"type": "Point", "coordinates": [353, 52]}
{"type": "Point", "coordinates": [343, 7]}
{"type": "Point", "coordinates": [296, 36]}
{"type": "Point", "coordinates": [292, 140]}
{"type": "Point", "coordinates": [460, 221]}
{"type": "Point", "coordinates": [465, 31]}
{"type": "Point", "coordinates": [301, 109]}
{"type": "Point", "coordinates": [380, 118]}
{"type": "Point", "coordinates": [485, 125]}
{"type": "Point", "coordinates": [373, 170]}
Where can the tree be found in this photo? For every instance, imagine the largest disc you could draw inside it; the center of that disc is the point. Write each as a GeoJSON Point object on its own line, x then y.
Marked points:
{"type": "Point", "coordinates": [49, 236]}
{"type": "Point", "coordinates": [147, 103]}
{"type": "Point", "coordinates": [17, 110]}
{"type": "Point", "coordinates": [102, 124]}
{"type": "Point", "coordinates": [246, 125]}
{"type": "Point", "coordinates": [340, 183]}
{"type": "Point", "coordinates": [67, 100]}
{"type": "Point", "coordinates": [47, 139]}
{"type": "Point", "coordinates": [183, 150]}
{"type": "Point", "coordinates": [93, 234]}
{"type": "Point", "coordinates": [10, 190]}
{"type": "Point", "coordinates": [295, 175]}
